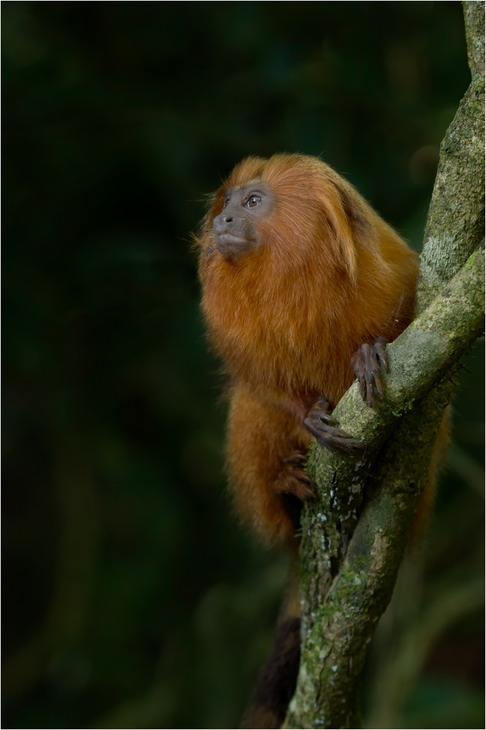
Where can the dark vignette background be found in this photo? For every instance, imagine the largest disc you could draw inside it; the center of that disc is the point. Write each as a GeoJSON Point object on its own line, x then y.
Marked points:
{"type": "Point", "coordinates": [130, 596]}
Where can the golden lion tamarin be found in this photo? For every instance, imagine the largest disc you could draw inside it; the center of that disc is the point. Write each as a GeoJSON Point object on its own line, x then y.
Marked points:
{"type": "Point", "coordinates": [302, 285]}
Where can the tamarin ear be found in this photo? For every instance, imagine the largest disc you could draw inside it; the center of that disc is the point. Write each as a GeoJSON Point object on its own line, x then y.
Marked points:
{"type": "Point", "coordinates": [341, 230]}
{"type": "Point", "coordinates": [350, 226]}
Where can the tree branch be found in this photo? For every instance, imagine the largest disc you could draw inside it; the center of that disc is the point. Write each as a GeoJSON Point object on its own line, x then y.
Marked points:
{"type": "Point", "coordinates": [349, 566]}
{"type": "Point", "coordinates": [455, 223]}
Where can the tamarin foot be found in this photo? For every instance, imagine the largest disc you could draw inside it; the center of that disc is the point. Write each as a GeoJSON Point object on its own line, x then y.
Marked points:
{"type": "Point", "coordinates": [369, 364]}
{"type": "Point", "coordinates": [294, 480]}
{"type": "Point", "coordinates": [294, 487]}
{"type": "Point", "coordinates": [324, 428]}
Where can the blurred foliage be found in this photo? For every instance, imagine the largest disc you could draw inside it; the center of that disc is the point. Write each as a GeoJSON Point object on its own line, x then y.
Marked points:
{"type": "Point", "coordinates": [131, 597]}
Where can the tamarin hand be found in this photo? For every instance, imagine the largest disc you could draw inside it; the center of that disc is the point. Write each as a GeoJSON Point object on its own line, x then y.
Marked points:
{"type": "Point", "coordinates": [324, 428]}
{"type": "Point", "coordinates": [369, 364]}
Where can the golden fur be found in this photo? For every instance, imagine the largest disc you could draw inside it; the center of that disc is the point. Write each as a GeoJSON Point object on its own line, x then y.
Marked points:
{"type": "Point", "coordinates": [287, 318]}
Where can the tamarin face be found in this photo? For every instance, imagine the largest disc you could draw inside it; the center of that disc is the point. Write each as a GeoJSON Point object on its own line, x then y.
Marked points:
{"type": "Point", "coordinates": [292, 210]}
{"type": "Point", "coordinates": [236, 230]}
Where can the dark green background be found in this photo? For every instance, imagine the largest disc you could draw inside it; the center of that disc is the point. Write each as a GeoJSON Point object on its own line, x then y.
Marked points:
{"type": "Point", "coordinates": [131, 598]}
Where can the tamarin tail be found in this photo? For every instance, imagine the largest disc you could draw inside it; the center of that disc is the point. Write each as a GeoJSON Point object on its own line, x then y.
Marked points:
{"type": "Point", "coordinates": [277, 679]}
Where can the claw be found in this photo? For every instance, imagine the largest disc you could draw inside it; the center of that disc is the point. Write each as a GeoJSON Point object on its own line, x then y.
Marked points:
{"type": "Point", "coordinates": [296, 459]}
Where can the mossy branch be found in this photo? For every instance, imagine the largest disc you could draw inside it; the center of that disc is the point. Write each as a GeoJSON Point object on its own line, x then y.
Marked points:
{"type": "Point", "coordinates": [354, 538]}
{"type": "Point", "coordinates": [349, 566]}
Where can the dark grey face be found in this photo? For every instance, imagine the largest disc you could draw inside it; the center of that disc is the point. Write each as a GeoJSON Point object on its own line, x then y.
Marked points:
{"type": "Point", "coordinates": [236, 227]}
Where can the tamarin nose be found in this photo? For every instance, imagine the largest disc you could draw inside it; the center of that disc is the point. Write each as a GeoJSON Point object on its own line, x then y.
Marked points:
{"type": "Point", "coordinates": [221, 221]}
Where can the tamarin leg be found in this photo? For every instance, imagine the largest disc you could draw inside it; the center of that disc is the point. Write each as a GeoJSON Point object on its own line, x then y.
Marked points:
{"type": "Point", "coordinates": [266, 448]}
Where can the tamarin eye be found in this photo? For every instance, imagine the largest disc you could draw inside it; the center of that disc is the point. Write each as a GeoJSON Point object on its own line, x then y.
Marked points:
{"type": "Point", "coordinates": [225, 202]}
{"type": "Point", "coordinates": [252, 201]}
